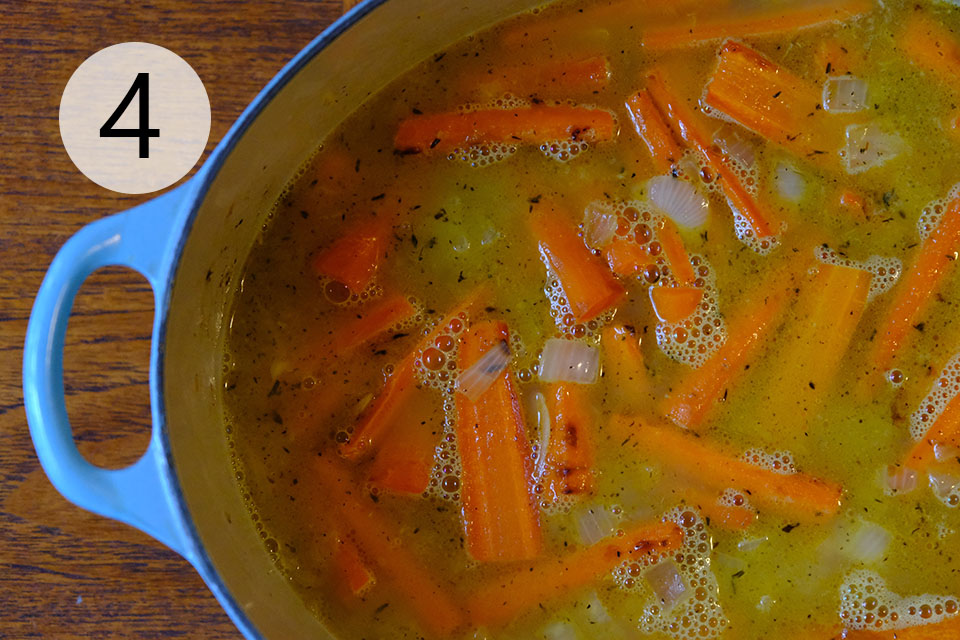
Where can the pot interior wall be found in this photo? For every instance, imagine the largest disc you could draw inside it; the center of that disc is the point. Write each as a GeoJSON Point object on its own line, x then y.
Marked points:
{"type": "Point", "coordinates": [334, 83]}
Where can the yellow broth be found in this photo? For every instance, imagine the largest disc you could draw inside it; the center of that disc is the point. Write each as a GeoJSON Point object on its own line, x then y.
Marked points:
{"type": "Point", "coordinates": [454, 227]}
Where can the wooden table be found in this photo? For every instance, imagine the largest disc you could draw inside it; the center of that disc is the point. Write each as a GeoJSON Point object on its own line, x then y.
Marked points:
{"type": "Point", "coordinates": [65, 573]}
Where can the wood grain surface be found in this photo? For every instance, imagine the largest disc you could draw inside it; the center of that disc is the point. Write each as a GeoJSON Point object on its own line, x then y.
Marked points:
{"type": "Point", "coordinates": [65, 573]}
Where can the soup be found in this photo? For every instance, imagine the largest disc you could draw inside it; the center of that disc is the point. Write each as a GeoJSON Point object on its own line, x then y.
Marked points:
{"type": "Point", "coordinates": [621, 320]}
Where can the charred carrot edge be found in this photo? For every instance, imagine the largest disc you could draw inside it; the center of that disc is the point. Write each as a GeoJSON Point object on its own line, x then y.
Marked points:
{"type": "Point", "coordinates": [769, 100]}
{"type": "Point", "coordinates": [382, 545]}
{"type": "Point", "coordinates": [932, 46]}
{"type": "Point", "coordinates": [760, 23]}
{"type": "Point", "coordinates": [561, 77]}
{"type": "Point", "coordinates": [354, 258]}
{"type": "Point", "coordinates": [917, 287]}
{"type": "Point", "coordinates": [589, 287]}
{"type": "Point", "coordinates": [947, 629]}
{"type": "Point", "coordinates": [652, 129]}
{"type": "Point", "coordinates": [444, 132]}
{"type": "Point", "coordinates": [729, 517]}
{"type": "Point", "coordinates": [702, 389]}
{"type": "Point", "coordinates": [404, 459]}
{"type": "Point", "coordinates": [676, 252]}
{"type": "Point", "coordinates": [380, 416]}
{"type": "Point", "coordinates": [673, 304]}
{"type": "Point", "coordinates": [502, 599]}
{"type": "Point", "coordinates": [501, 520]}
{"type": "Point", "coordinates": [622, 356]}
{"type": "Point", "coordinates": [355, 575]}
{"type": "Point", "coordinates": [626, 258]}
{"type": "Point", "coordinates": [797, 495]}
{"type": "Point", "coordinates": [570, 451]}
{"type": "Point", "coordinates": [945, 429]}
{"type": "Point", "coordinates": [692, 131]}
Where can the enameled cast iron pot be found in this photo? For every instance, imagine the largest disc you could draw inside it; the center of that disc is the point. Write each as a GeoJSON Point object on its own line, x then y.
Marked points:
{"type": "Point", "coordinates": [190, 243]}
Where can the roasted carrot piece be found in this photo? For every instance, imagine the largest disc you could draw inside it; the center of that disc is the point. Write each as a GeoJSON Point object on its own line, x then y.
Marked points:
{"type": "Point", "coordinates": [501, 520]}
{"type": "Point", "coordinates": [570, 451]}
{"type": "Point", "coordinates": [853, 203]}
{"type": "Point", "coordinates": [404, 459]}
{"type": "Point", "coordinates": [444, 132]}
{"type": "Point", "coordinates": [760, 22]}
{"type": "Point", "coordinates": [353, 259]}
{"type": "Point", "coordinates": [797, 495]}
{"type": "Point", "coordinates": [932, 46]}
{"type": "Point", "coordinates": [675, 252]}
{"type": "Point", "coordinates": [588, 286]}
{"type": "Point", "coordinates": [627, 258]}
{"type": "Point", "coordinates": [354, 575]}
{"type": "Point", "coordinates": [694, 133]}
{"type": "Point", "coordinates": [702, 389]}
{"type": "Point", "coordinates": [946, 629]}
{"type": "Point", "coordinates": [500, 600]}
{"type": "Point", "coordinates": [560, 78]}
{"type": "Point", "coordinates": [383, 546]}
{"type": "Point", "coordinates": [673, 304]}
{"type": "Point", "coordinates": [726, 516]}
{"type": "Point", "coordinates": [382, 413]}
{"type": "Point", "coordinates": [770, 101]}
{"type": "Point", "coordinates": [917, 287]}
{"type": "Point", "coordinates": [653, 130]}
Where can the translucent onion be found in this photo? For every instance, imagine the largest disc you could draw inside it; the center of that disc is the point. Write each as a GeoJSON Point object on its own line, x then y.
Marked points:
{"type": "Point", "coordinates": [868, 146]}
{"type": "Point", "coordinates": [942, 483]}
{"type": "Point", "coordinates": [479, 376]}
{"type": "Point", "coordinates": [735, 146]}
{"type": "Point", "coordinates": [844, 94]}
{"type": "Point", "coordinates": [569, 361]}
{"type": "Point", "coordinates": [543, 428]}
{"type": "Point", "coordinates": [751, 543]}
{"type": "Point", "coordinates": [869, 543]}
{"type": "Point", "coordinates": [667, 583]}
{"type": "Point", "coordinates": [599, 226]}
{"type": "Point", "coordinates": [790, 184]}
{"type": "Point", "coordinates": [595, 523]}
{"type": "Point", "coordinates": [679, 200]}
{"type": "Point", "coordinates": [560, 631]}
{"type": "Point", "coordinates": [901, 479]}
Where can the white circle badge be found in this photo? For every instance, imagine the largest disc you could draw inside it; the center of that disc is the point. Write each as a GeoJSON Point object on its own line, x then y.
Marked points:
{"type": "Point", "coordinates": [134, 117]}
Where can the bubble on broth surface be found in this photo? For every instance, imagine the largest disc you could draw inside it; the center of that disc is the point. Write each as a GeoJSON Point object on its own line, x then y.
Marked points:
{"type": "Point", "coordinates": [483, 155]}
{"type": "Point", "coordinates": [931, 214]}
{"type": "Point", "coordinates": [563, 317]}
{"type": "Point", "coordinates": [885, 271]}
{"type": "Point", "coordinates": [447, 470]}
{"type": "Point", "coordinates": [866, 603]}
{"type": "Point", "coordinates": [944, 389]}
{"type": "Point", "coordinates": [745, 233]}
{"type": "Point", "coordinates": [563, 150]}
{"type": "Point", "coordinates": [778, 461]}
{"type": "Point", "coordinates": [697, 616]}
{"type": "Point", "coordinates": [694, 339]}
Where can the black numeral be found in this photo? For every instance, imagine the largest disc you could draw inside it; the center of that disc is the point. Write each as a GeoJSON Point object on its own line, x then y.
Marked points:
{"type": "Point", "coordinates": [142, 86]}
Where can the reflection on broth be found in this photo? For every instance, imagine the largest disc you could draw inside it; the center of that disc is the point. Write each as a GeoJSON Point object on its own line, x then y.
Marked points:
{"type": "Point", "coordinates": [619, 320]}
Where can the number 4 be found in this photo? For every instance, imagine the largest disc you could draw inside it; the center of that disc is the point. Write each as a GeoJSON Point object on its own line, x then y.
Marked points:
{"type": "Point", "coordinates": [142, 85]}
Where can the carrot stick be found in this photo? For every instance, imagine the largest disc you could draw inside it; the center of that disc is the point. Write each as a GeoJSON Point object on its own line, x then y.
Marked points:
{"type": "Point", "coordinates": [673, 304]}
{"type": "Point", "coordinates": [570, 451]}
{"type": "Point", "coordinates": [353, 259]}
{"type": "Point", "coordinates": [405, 456]}
{"type": "Point", "coordinates": [383, 546]}
{"type": "Point", "coordinates": [725, 516]}
{"type": "Point", "coordinates": [653, 130]}
{"type": "Point", "coordinates": [500, 517]}
{"type": "Point", "coordinates": [798, 494]}
{"type": "Point", "coordinates": [588, 286]}
{"type": "Point", "coordinates": [444, 132]}
{"type": "Point", "coordinates": [946, 629]}
{"type": "Point", "coordinates": [853, 203]}
{"type": "Point", "coordinates": [560, 78]}
{"type": "Point", "coordinates": [500, 600]}
{"type": "Point", "coordinates": [694, 133]}
{"type": "Point", "coordinates": [932, 46]}
{"type": "Point", "coordinates": [917, 287]}
{"type": "Point", "coordinates": [354, 575]}
{"type": "Point", "coordinates": [760, 22]}
{"type": "Point", "coordinates": [623, 360]}
{"type": "Point", "coordinates": [627, 258]}
{"type": "Point", "coordinates": [770, 101]}
{"type": "Point", "coordinates": [703, 389]}
{"type": "Point", "coordinates": [675, 252]}
{"type": "Point", "coordinates": [944, 430]}
{"type": "Point", "coordinates": [382, 413]}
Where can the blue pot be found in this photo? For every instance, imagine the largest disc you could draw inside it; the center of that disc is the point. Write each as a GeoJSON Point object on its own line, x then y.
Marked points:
{"type": "Point", "coordinates": [191, 244]}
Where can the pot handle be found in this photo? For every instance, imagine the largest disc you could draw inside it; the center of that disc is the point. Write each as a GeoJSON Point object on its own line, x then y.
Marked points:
{"type": "Point", "coordinates": [140, 494]}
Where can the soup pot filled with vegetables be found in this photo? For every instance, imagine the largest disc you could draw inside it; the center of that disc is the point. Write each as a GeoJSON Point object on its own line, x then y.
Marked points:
{"type": "Point", "coordinates": [612, 320]}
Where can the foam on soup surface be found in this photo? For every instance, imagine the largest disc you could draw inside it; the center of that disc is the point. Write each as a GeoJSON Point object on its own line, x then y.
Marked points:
{"type": "Point", "coordinates": [618, 320]}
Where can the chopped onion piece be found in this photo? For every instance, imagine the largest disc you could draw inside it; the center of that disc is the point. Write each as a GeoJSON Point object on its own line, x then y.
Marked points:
{"type": "Point", "coordinates": [569, 361]}
{"type": "Point", "coordinates": [599, 225]}
{"type": "Point", "coordinates": [765, 604]}
{"type": "Point", "coordinates": [735, 146]}
{"type": "Point", "coordinates": [594, 524]}
{"type": "Point", "coordinates": [596, 612]}
{"type": "Point", "coordinates": [943, 452]}
{"type": "Point", "coordinates": [869, 543]}
{"type": "Point", "coordinates": [790, 184]}
{"type": "Point", "coordinates": [560, 631]}
{"type": "Point", "coordinates": [901, 479]}
{"type": "Point", "coordinates": [543, 428]}
{"type": "Point", "coordinates": [868, 146]}
{"type": "Point", "coordinates": [942, 483]}
{"type": "Point", "coordinates": [482, 373]}
{"type": "Point", "coordinates": [679, 200]}
{"type": "Point", "coordinates": [844, 94]}
{"type": "Point", "coordinates": [667, 584]}
{"type": "Point", "coordinates": [751, 543]}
